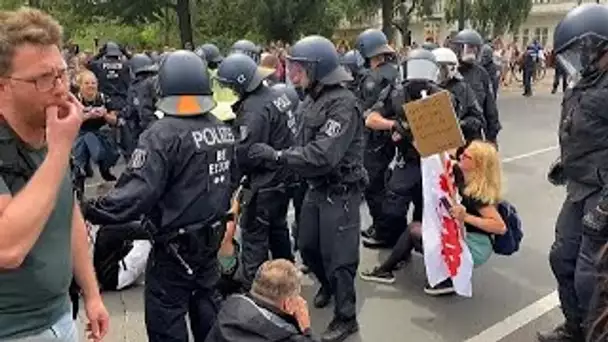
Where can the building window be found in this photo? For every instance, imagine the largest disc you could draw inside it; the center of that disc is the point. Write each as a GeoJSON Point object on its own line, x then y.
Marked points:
{"type": "Point", "coordinates": [544, 36]}
{"type": "Point", "coordinates": [525, 39]}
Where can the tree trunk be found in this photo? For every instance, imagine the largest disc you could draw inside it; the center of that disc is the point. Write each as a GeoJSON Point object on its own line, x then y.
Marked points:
{"type": "Point", "coordinates": [185, 22]}
{"type": "Point", "coordinates": [387, 18]}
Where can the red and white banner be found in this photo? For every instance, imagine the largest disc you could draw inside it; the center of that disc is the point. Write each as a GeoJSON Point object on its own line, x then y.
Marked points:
{"type": "Point", "coordinates": [446, 254]}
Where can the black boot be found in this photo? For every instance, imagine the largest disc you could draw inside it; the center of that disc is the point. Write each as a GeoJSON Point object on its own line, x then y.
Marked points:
{"type": "Point", "coordinates": [340, 329]}
{"type": "Point", "coordinates": [322, 298]}
{"type": "Point", "coordinates": [561, 334]}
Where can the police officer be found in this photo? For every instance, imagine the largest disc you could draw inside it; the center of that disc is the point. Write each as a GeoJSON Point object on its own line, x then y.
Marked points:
{"type": "Point", "coordinates": [261, 117]}
{"type": "Point", "coordinates": [379, 150]}
{"type": "Point", "coordinates": [466, 44]}
{"type": "Point", "coordinates": [486, 59]}
{"type": "Point", "coordinates": [247, 47]}
{"type": "Point", "coordinates": [139, 112]}
{"type": "Point", "coordinates": [529, 60]}
{"type": "Point", "coordinates": [178, 178]}
{"type": "Point", "coordinates": [299, 185]}
{"type": "Point", "coordinates": [354, 62]}
{"type": "Point", "coordinates": [580, 42]}
{"type": "Point", "coordinates": [112, 73]}
{"type": "Point", "coordinates": [404, 186]}
{"type": "Point", "coordinates": [329, 156]}
{"type": "Point", "coordinates": [466, 105]}
{"type": "Point", "coordinates": [212, 55]}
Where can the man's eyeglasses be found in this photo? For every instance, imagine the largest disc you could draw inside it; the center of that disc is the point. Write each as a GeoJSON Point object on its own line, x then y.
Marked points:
{"type": "Point", "coordinates": [48, 81]}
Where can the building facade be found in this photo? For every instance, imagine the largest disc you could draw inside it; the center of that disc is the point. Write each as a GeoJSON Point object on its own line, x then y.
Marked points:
{"type": "Point", "coordinates": [540, 24]}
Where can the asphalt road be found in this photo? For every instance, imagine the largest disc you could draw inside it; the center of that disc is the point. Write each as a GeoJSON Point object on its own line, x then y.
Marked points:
{"type": "Point", "coordinates": [513, 297]}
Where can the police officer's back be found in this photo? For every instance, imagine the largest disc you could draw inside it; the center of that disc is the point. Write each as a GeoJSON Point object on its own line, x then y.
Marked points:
{"type": "Point", "coordinates": [112, 73]}
{"type": "Point", "coordinates": [466, 44]}
{"type": "Point", "coordinates": [179, 179]}
{"type": "Point", "coordinates": [329, 156]}
{"type": "Point", "coordinates": [581, 230]}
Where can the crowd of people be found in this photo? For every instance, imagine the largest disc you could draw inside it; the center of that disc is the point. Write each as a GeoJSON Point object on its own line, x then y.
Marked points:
{"type": "Point", "coordinates": [216, 149]}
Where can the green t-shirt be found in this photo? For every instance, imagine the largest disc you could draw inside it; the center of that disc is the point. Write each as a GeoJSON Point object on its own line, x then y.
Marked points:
{"type": "Point", "coordinates": [35, 296]}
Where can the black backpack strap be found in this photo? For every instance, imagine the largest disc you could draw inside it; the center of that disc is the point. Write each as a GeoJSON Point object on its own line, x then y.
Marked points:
{"type": "Point", "coordinates": [16, 166]}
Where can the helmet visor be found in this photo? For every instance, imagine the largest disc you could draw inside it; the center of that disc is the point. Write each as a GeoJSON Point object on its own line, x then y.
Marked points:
{"type": "Point", "coordinates": [296, 69]}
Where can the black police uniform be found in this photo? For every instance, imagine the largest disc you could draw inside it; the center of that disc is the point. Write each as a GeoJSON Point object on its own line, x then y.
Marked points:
{"type": "Point", "coordinates": [298, 187]}
{"type": "Point", "coordinates": [529, 62]}
{"type": "Point", "coordinates": [487, 61]}
{"type": "Point", "coordinates": [581, 230]}
{"type": "Point", "coordinates": [141, 100]}
{"type": "Point", "coordinates": [481, 82]}
{"type": "Point", "coordinates": [479, 79]}
{"type": "Point", "coordinates": [404, 185]}
{"type": "Point", "coordinates": [260, 118]}
{"type": "Point", "coordinates": [467, 108]}
{"type": "Point", "coordinates": [112, 75]}
{"type": "Point", "coordinates": [379, 149]}
{"type": "Point", "coordinates": [179, 179]}
{"type": "Point", "coordinates": [329, 156]}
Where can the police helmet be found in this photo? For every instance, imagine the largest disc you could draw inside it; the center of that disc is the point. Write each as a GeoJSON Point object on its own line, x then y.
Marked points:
{"type": "Point", "coordinates": [246, 47]}
{"type": "Point", "coordinates": [141, 63]}
{"type": "Point", "coordinates": [289, 91]}
{"type": "Point", "coordinates": [241, 73]}
{"type": "Point", "coordinates": [212, 53]}
{"type": "Point", "coordinates": [373, 42]}
{"type": "Point", "coordinates": [467, 44]}
{"type": "Point", "coordinates": [319, 58]}
{"type": "Point", "coordinates": [184, 85]}
{"type": "Point", "coordinates": [581, 38]}
{"type": "Point", "coordinates": [200, 53]}
{"type": "Point", "coordinates": [445, 56]}
{"type": "Point", "coordinates": [467, 36]}
{"type": "Point", "coordinates": [111, 49]}
{"type": "Point", "coordinates": [422, 65]}
{"type": "Point", "coordinates": [353, 61]}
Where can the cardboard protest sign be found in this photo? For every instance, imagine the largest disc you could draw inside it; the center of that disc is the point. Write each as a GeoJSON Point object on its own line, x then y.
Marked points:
{"type": "Point", "coordinates": [434, 125]}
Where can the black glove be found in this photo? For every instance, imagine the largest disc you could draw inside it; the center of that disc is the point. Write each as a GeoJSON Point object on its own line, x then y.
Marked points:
{"type": "Point", "coordinates": [264, 152]}
{"type": "Point", "coordinates": [556, 173]}
{"type": "Point", "coordinates": [596, 221]}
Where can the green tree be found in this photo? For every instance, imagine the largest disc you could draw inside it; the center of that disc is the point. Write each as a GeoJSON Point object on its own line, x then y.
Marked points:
{"type": "Point", "coordinates": [398, 13]}
{"type": "Point", "coordinates": [491, 16]}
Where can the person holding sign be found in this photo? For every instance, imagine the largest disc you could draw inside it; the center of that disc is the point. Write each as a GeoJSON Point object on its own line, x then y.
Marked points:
{"type": "Point", "coordinates": [478, 178]}
{"type": "Point", "coordinates": [404, 186]}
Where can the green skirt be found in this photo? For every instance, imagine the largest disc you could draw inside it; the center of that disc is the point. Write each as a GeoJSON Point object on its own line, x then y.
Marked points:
{"type": "Point", "coordinates": [480, 246]}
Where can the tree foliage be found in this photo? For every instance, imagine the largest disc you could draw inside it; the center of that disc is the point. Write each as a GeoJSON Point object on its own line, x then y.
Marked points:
{"type": "Point", "coordinates": [491, 16]}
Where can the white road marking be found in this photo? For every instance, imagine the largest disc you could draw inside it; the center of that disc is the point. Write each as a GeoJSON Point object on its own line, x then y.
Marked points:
{"type": "Point", "coordinates": [530, 154]}
{"type": "Point", "coordinates": [517, 320]}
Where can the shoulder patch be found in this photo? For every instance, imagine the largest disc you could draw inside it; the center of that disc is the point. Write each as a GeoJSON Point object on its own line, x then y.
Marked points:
{"type": "Point", "coordinates": [138, 159]}
{"type": "Point", "coordinates": [332, 128]}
